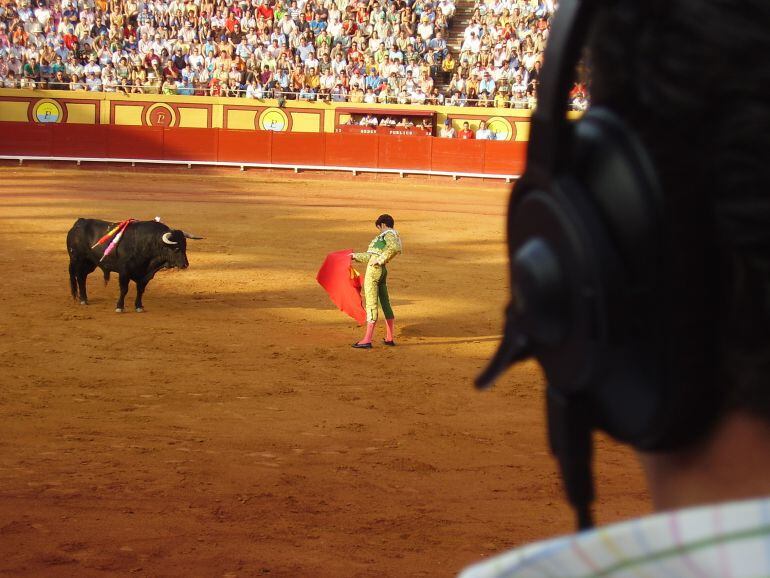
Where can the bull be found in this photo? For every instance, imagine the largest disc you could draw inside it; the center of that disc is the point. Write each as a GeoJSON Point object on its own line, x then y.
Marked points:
{"type": "Point", "coordinates": [145, 248]}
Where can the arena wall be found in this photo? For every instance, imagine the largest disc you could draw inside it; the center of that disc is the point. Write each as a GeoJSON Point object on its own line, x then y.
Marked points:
{"type": "Point", "coordinates": [167, 128]}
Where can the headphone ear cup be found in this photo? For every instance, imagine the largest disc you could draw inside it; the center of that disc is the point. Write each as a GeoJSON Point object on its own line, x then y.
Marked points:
{"type": "Point", "coordinates": [618, 178]}
{"type": "Point", "coordinates": [616, 171]}
{"type": "Point", "coordinates": [592, 271]}
{"type": "Point", "coordinates": [654, 377]}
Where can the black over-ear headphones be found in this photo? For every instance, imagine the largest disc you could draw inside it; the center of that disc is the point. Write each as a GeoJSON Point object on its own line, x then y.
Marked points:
{"type": "Point", "coordinates": [586, 235]}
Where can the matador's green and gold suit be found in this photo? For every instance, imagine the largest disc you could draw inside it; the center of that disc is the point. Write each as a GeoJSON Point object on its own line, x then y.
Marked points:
{"type": "Point", "coordinates": [381, 250]}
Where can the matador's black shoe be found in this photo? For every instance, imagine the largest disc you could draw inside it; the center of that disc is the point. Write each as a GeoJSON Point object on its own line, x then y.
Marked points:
{"type": "Point", "coordinates": [391, 342]}
{"type": "Point", "coordinates": [362, 345]}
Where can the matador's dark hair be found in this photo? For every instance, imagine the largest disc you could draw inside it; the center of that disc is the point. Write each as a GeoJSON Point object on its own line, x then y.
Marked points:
{"type": "Point", "coordinates": [386, 220]}
{"type": "Point", "coordinates": [691, 77]}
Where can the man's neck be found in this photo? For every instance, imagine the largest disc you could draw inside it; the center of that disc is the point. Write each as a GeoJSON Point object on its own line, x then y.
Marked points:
{"type": "Point", "coordinates": [731, 465]}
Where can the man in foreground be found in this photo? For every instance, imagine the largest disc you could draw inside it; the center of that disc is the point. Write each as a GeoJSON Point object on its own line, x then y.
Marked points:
{"type": "Point", "coordinates": [710, 477]}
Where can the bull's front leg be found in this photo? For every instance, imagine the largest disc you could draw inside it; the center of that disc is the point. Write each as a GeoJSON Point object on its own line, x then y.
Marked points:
{"type": "Point", "coordinates": [141, 285]}
{"type": "Point", "coordinates": [123, 281]}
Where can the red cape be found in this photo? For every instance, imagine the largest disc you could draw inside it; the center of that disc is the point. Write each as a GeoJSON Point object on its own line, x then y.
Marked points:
{"type": "Point", "coordinates": [343, 284]}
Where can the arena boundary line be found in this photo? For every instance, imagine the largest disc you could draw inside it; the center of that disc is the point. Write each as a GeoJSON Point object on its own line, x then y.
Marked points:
{"type": "Point", "coordinates": [243, 166]}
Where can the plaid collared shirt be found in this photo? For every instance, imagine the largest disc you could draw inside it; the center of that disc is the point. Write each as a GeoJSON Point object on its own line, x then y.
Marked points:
{"type": "Point", "coordinates": [729, 540]}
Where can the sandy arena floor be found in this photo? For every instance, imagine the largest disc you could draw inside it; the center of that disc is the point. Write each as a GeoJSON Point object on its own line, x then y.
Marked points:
{"type": "Point", "coordinates": [231, 430]}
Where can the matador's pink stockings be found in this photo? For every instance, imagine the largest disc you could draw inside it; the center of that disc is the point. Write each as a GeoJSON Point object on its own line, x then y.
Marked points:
{"type": "Point", "coordinates": [369, 333]}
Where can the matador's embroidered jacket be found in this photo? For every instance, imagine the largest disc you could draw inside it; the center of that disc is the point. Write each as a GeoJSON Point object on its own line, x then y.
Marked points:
{"type": "Point", "coordinates": [382, 249]}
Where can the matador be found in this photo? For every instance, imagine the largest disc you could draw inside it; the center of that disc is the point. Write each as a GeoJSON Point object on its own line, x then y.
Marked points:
{"type": "Point", "coordinates": [380, 252]}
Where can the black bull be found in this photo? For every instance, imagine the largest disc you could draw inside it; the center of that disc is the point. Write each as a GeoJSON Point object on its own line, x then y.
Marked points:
{"type": "Point", "coordinates": [145, 248]}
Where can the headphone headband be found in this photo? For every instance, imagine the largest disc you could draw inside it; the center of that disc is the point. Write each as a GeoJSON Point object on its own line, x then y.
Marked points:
{"type": "Point", "coordinates": [548, 132]}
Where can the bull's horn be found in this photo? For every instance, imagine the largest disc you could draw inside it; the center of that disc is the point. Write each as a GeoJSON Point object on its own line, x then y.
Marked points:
{"type": "Point", "coordinates": [191, 236]}
{"type": "Point", "coordinates": [167, 239]}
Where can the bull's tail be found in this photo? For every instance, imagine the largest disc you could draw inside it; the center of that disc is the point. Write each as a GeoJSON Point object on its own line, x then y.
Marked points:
{"type": "Point", "coordinates": [106, 276]}
{"type": "Point", "coordinates": [73, 282]}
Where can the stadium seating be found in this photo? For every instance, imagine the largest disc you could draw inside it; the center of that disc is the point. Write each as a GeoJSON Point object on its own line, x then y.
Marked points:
{"type": "Point", "coordinates": [382, 51]}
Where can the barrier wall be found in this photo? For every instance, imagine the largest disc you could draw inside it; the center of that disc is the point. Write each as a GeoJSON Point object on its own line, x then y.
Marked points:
{"type": "Point", "coordinates": [98, 125]}
{"type": "Point", "coordinates": [212, 145]}
{"type": "Point", "coordinates": [174, 111]}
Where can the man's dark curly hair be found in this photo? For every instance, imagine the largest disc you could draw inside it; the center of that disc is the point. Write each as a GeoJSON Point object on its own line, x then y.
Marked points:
{"type": "Point", "coordinates": [692, 77]}
{"type": "Point", "coordinates": [386, 220]}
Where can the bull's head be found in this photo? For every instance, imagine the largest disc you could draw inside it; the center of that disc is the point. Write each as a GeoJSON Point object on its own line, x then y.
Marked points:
{"type": "Point", "coordinates": [175, 245]}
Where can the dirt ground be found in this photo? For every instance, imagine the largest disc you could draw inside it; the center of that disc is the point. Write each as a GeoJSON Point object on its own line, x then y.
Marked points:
{"type": "Point", "coordinates": [230, 430]}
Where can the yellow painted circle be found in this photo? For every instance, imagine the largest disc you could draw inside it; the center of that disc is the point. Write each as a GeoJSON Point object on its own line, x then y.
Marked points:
{"type": "Point", "coordinates": [273, 119]}
{"type": "Point", "coordinates": [501, 127]}
{"type": "Point", "coordinates": [160, 114]}
{"type": "Point", "coordinates": [47, 111]}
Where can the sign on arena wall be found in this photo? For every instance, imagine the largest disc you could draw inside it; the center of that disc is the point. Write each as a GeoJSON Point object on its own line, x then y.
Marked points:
{"type": "Point", "coordinates": [47, 110]}
{"type": "Point", "coordinates": [274, 119]}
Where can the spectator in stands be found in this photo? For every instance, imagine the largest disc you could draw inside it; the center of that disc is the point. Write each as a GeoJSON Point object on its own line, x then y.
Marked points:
{"type": "Point", "coordinates": [532, 97]}
{"type": "Point", "coordinates": [579, 102]}
{"type": "Point", "coordinates": [75, 83]}
{"type": "Point", "coordinates": [456, 99]}
{"type": "Point", "coordinates": [435, 98]}
{"type": "Point", "coordinates": [519, 98]}
{"type": "Point", "coordinates": [370, 97]}
{"type": "Point", "coordinates": [448, 131]}
{"type": "Point", "coordinates": [501, 97]}
{"type": "Point", "coordinates": [418, 96]}
{"type": "Point", "coordinates": [483, 133]}
{"type": "Point", "coordinates": [487, 84]}
{"type": "Point", "coordinates": [466, 132]}
{"type": "Point", "coordinates": [184, 86]}
{"type": "Point", "coordinates": [356, 94]}
{"type": "Point", "coordinates": [153, 82]}
{"type": "Point", "coordinates": [59, 82]}
{"type": "Point", "coordinates": [253, 88]}
{"type": "Point", "coordinates": [339, 93]}
{"type": "Point", "coordinates": [93, 82]}
{"type": "Point", "coordinates": [369, 120]}
{"type": "Point", "coordinates": [448, 66]}
{"type": "Point", "coordinates": [306, 93]}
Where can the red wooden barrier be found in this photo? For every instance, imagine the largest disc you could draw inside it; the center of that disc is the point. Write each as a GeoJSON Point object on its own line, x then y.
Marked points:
{"type": "Point", "coordinates": [26, 139]}
{"type": "Point", "coordinates": [404, 152]}
{"type": "Point", "coordinates": [263, 147]}
{"type": "Point", "coordinates": [134, 142]}
{"type": "Point", "coordinates": [79, 140]}
{"type": "Point", "coordinates": [298, 148]}
{"type": "Point", "coordinates": [457, 155]}
{"type": "Point", "coordinates": [190, 144]}
{"type": "Point", "coordinates": [244, 146]}
{"type": "Point", "coordinates": [351, 150]}
{"type": "Point", "coordinates": [504, 158]}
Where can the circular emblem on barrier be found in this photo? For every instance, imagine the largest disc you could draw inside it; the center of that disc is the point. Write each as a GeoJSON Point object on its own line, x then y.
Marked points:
{"type": "Point", "coordinates": [47, 111]}
{"type": "Point", "coordinates": [160, 114]}
{"type": "Point", "coordinates": [502, 128]}
{"type": "Point", "coordinates": [273, 119]}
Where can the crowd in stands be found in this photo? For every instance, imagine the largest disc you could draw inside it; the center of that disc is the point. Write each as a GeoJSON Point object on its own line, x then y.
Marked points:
{"type": "Point", "coordinates": [366, 51]}
{"type": "Point", "coordinates": [501, 55]}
